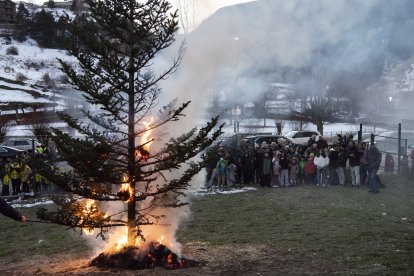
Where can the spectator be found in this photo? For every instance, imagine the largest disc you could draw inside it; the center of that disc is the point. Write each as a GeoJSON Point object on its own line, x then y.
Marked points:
{"type": "Point", "coordinates": [284, 171]}
{"type": "Point", "coordinates": [266, 169]}
{"type": "Point", "coordinates": [313, 149]}
{"type": "Point", "coordinates": [389, 164]}
{"type": "Point", "coordinates": [5, 177]}
{"type": "Point", "coordinates": [374, 161]}
{"type": "Point", "coordinates": [221, 171]}
{"type": "Point", "coordinates": [25, 174]}
{"type": "Point", "coordinates": [321, 162]}
{"type": "Point", "coordinates": [247, 168]}
{"type": "Point", "coordinates": [312, 140]}
{"type": "Point", "coordinates": [322, 143]}
{"type": "Point", "coordinates": [231, 172]}
{"type": "Point", "coordinates": [276, 170]}
{"type": "Point", "coordinates": [302, 164]}
{"type": "Point", "coordinates": [294, 171]}
{"type": "Point", "coordinates": [341, 164]}
{"type": "Point", "coordinates": [310, 170]}
{"type": "Point", "coordinates": [364, 163]}
{"type": "Point", "coordinates": [333, 157]}
{"type": "Point", "coordinates": [14, 173]}
{"type": "Point", "coordinates": [405, 169]}
{"type": "Point", "coordinates": [354, 164]}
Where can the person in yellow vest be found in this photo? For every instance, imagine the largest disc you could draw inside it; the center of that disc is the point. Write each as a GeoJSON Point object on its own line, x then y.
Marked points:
{"type": "Point", "coordinates": [38, 180]}
{"type": "Point", "coordinates": [5, 178]}
{"type": "Point", "coordinates": [25, 174]}
{"type": "Point", "coordinates": [14, 173]}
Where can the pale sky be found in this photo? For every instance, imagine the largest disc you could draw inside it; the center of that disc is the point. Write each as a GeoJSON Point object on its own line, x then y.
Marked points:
{"type": "Point", "coordinates": [197, 9]}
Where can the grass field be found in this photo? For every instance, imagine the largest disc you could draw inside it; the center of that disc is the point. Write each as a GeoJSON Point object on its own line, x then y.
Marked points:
{"type": "Point", "coordinates": [301, 230]}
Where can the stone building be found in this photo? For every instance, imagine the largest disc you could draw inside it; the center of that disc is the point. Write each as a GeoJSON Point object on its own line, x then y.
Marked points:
{"type": "Point", "coordinates": [7, 11]}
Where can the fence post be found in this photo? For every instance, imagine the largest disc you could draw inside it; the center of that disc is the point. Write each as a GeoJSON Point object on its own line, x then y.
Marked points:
{"type": "Point", "coordinates": [360, 134]}
{"type": "Point", "coordinates": [399, 148]}
{"type": "Point", "coordinates": [372, 139]}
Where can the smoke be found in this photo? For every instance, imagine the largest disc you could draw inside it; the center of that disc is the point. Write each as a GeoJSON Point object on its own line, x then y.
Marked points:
{"type": "Point", "coordinates": [346, 45]}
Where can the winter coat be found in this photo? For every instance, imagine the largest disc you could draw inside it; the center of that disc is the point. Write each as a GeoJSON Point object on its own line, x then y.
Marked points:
{"type": "Point", "coordinates": [221, 166]}
{"type": "Point", "coordinates": [310, 168]}
{"type": "Point", "coordinates": [9, 211]}
{"type": "Point", "coordinates": [321, 162]}
{"type": "Point", "coordinates": [322, 144]}
{"type": "Point", "coordinates": [294, 170]}
{"type": "Point", "coordinates": [374, 158]}
{"type": "Point", "coordinates": [231, 174]}
{"type": "Point", "coordinates": [342, 158]}
{"type": "Point", "coordinates": [354, 157]}
{"type": "Point", "coordinates": [284, 164]}
{"type": "Point", "coordinates": [389, 163]}
{"type": "Point", "coordinates": [333, 157]}
{"type": "Point", "coordinates": [276, 166]}
{"type": "Point", "coordinates": [267, 166]}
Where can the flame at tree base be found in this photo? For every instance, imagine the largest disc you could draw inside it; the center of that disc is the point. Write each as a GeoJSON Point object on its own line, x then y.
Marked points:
{"type": "Point", "coordinates": [132, 257]}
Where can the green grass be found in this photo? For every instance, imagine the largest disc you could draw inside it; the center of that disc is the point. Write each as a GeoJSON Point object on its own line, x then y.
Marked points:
{"type": "Point", "coordinates": [343, 225]}
{"type": "Point", "coordinates": [20, 240]}
{"type": "Point", "coordinates": [359, 232]}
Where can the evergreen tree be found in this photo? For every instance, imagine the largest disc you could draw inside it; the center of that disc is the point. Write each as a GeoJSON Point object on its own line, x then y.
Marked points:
{"type": "Point", "coordinates": [114, 74]}
{"type": "Point", "coordinates": [22, 13]}
{"type": "Point", "coordinates": [51, 4]}
{"type": "Point", "coordinates": [43, 29]}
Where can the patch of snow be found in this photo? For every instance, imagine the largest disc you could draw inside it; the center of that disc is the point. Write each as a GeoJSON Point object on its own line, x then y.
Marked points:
{"type": "Point", "coordinates": [203, 192]}
{"type": "Point", "coordinates": [29, 205]}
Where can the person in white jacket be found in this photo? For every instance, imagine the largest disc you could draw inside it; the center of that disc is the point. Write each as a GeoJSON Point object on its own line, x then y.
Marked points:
{"type": "Point", "coordinates": [321, 162]}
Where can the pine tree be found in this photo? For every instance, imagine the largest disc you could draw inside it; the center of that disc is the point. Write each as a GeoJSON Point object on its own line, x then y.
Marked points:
{"type": "Point", "coordinates": [22, 13]}
{"type": "Point", "coordinates": [115, 75]}
{"type": "Point", "coordinates": [51, 4]}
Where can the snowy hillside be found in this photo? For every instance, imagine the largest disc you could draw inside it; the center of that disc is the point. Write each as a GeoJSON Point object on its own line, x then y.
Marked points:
{"type": "Point", "coordinates": [32, 63]}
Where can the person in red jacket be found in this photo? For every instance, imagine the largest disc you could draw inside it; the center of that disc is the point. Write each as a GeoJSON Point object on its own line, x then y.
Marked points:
{"type": "Point", "coordinates": [9, 211]}
{"type": "Point", "coordinates": [310, 170]}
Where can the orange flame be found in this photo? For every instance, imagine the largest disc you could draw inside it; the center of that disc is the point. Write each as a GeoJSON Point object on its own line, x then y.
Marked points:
{"type": "Point", "coordinates": [86, 211]}
{"type": "Point", "coordinates": [123, 241]}
{"type": "Point", "coordinates": [146, 139]}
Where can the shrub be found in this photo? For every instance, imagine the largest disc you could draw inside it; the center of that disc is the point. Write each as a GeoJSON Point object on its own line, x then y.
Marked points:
{"type": "Point", "coordinates": [12, 51]}
{"type": "Point", "coordinates": [47, 80]}
{"type": "Point", "coordinates": [21, 77]}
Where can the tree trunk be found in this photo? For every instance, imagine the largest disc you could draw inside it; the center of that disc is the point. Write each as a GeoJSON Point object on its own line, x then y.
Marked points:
{"type": "Point", "coordinates": [319, 127]}
{"type": "Point", "coordinates": [131, 150]}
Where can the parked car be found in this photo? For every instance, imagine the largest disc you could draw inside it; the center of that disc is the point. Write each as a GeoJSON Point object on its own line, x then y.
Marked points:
{"type": "Point", "coordinates": [8, 152]}
{"type": "Point", "coordinates": [388, 141]}
{"type": "Point", "coordinates": [300, 137]}
{"type": "Point", "coordinates": [22, 144]}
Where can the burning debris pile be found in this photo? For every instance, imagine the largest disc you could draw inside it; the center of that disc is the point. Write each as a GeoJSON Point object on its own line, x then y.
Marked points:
{"type": "Point", "coordinates": [132, 257]}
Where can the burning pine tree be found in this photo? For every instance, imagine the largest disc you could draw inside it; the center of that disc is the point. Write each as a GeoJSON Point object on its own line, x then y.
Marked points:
{"type": "Point", "coordinates": [115, 48]}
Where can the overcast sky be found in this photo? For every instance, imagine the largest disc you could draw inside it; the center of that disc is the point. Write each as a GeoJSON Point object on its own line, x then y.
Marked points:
{"type": "Point", "coordinates": [202, 8]}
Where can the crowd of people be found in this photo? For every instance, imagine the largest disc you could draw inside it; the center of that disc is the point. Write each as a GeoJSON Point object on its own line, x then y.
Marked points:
{"type": "Point", "coordinates": [18, 176]}
{"type": "Point", "coordinates": [284, 164]}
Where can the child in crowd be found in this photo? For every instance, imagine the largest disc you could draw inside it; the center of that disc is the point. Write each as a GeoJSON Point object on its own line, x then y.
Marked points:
{"type": "Point", "coordinates": [294, 171]}
{"type": "Point", "coordinates": [276, 170]}
{"type": "Point", "coordinates": [221, 171]}
{"type": "Point", "coordinates": [310, 170]}
{"type": "Point", "coordinates": [284, 170]}
{"type": "Point", "coordinates": [389, 164]}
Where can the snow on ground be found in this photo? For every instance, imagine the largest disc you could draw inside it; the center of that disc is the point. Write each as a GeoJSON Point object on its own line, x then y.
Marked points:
{"type": "Point", "coordinates": [204, 191]}
{"type": "Point", "coordinates": [29, 204]}
{"type": "Point", "coordinates": [32, 61]}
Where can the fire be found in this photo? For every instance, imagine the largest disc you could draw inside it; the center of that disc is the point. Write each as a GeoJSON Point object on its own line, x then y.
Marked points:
{"type": "Point", "coordinates": [123, 241]}
{"type": "Point", "coordinates": [86, 211]}
{"type": "Point", "coordinates": [146, 139]}
{"type": "Point", "coordinates": [160, 240]}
